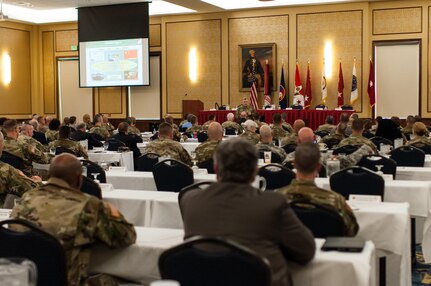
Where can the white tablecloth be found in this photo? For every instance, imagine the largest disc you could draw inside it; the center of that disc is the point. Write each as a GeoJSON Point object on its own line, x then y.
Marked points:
{"type": "Point", "coordinates": [190, 146]}
{"type": "Point", "coordinates": [142, 180]}
{"type": "Point", "coordinates": [139, 262]}
{"type": "Point", "coordinates": [125, 159]}
{"type": "Point", "coordinates": [414, 173]}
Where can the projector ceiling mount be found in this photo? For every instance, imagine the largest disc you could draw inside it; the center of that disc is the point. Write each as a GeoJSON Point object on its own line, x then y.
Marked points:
{"type": "Point", "coordinates": [3, 17]}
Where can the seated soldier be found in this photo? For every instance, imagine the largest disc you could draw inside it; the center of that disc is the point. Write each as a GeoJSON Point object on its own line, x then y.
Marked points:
{"type": "Point", "coordinates": [98, 129]}
{"type": "Point", "coordinates": [419, 136]}
{"type": "Point", "coordinates": [266, 143]}
{"type": "Point", "coordinates": [303, 189]}
{"type": "Point", "coordinates": [329, 124]}
{"type": "Point", "coordinates": [195, 126]}
{"type": "Point", "coordinates": [356, 138]}
{"type": "Point", "coordinates": [65, 142]}
{"type": "Point", "coordinates": [231, 124]}
{"type": "Point", "coordinates": [293, 137]}
{"type": "Point", "coordinates": [205, 150]}
{"type": "Point", "coordinates": [211, 119]}
{"type": "Point", "coordinates": [52, 133]}
{"type": "Point", "coordinates": [277, 127]}
{"type": "Point", "coordinates": [250, 132]}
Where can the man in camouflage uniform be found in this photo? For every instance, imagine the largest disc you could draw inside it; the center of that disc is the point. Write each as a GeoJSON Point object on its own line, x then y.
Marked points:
{"type": "Point", "coordinates": [164, 146]}
{"type": "Point", "coordinates": [266, 144]}
{"type": "Point", "coordinates": [195, 126]}
{"type": "Point", "coordinates": [328, 126]}
{"type": "Point", "coordinates": [107, 124]}
{"type": "Point", "coordinates": [42, 124]}
{"type": "Point", "coordinates": [12, 181]}
{"type": "Point", "coordinates": [304, 192]}
{"type": "Point", "coordinates": [277, 128]}
{"type": "Point", "coordinates": [28, 153]}
{"type": "Point", "coordinates": [256, 118]}
{"type": "Point", "coordinates": [408, 129]}
{"type": "Point", "coordinates": [231, 124]}
{"type": "Point", "coordinates": [65, 142]}
{"type": "Point", "coordinates": [25, 138]}
{"type": "Point", "coordinates": [205, 151]}
{"type": "Point", "coordinates": [250, 132]}
{"type": "Point", "coordinates": [52, 133]}
{"type": "Point", "coordinates": [100, 131]}
{"type": "Point", "coordinates": [132, 127]}
{"type": "Point", "coordinates": [76, 219]}
{"type": "Point", "coordinates": [356, 138]}
{"type": "Point", "coordinates": [175, 129]}
{"type": "Point", "coordinates": [339, 135]}
{"type": "Point", "coordinates": [211, 119]}
{"type": "Point", "coordinates": [286, 126]}
{"type": "Point", "coordinates": [87, 120]}
{"type": "Point", "coordinates": [245, 106]}
{"type": "Point", "coordinates": [293, 137]}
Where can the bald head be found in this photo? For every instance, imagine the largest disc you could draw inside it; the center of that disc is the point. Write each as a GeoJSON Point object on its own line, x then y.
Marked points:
{"type": "Point", "coordinates": [67, 168]}
{"type": "Point", "coordinates": [215, 131]}
{"type": "Point", "coordinates": [265, 134]}
{"type": "Point", "coordinates": [306, 134]}
{"type": "Point", "coordinates": [298, 124]}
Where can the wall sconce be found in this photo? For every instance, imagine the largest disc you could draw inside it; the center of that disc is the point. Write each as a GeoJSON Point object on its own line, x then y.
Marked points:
{"type": "Point", "coordinates": [193, 75]}
{"type": "Point", "coordinates": [328, 59]}
{"type": "Point", "coordinates": [6, 69]}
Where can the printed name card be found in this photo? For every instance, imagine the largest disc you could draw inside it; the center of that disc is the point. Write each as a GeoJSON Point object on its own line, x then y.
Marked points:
{"type": "Point", "coordinates": [365, 199]}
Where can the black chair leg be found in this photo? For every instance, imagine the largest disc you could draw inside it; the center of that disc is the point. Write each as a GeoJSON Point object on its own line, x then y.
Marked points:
{"type": "Point", "coordinates": [413, 239]}
{"type": "Point", "coordinates": [382, 271]}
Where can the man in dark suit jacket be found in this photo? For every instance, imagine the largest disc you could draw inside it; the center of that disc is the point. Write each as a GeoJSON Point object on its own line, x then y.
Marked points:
{"type": "Point", "coordinates": [232, 208]}
{"type": "Point", "coordinates": [128, 139]}
{"type": "Point", "coordinates": [80, 134]}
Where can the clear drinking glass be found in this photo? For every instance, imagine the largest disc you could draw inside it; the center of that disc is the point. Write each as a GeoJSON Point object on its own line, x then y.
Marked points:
{"type": "Point", "coordinates": [193, 155]}
{"type": "Point", "coordinates": [332, 166]}
{"type": "Point", "coordinates": [105, 146]}
{"type": "Point", "coordinates": [17, 271]}
{"type": "Point", "coordinates": [95, 177]}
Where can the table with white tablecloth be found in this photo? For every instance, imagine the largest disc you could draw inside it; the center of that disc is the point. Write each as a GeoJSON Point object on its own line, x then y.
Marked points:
{"type": "Point", "coordinates": [414, 173]}
{"type": "Point", "coordinates": [142, 180]}
{"type": "Point", "coordinates": [139, 262]}
{"type": "Point", "coordinates": [124, 158]}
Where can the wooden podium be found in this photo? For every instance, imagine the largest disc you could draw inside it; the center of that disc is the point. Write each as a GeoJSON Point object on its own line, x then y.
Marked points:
{"type": "Point", "coordinates": [192, 106]}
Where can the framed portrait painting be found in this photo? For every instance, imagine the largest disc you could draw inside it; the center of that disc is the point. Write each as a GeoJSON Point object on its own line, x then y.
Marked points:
{"type": "Point", "coordinates": [252, 60]}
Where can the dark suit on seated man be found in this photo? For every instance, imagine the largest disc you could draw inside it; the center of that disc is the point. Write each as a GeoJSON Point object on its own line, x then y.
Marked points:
{"type": "Point", "coordinates": [80, 134]}
{"type": "Point", "coordinates": [232, 208]}
{"type": "Point", "coordinates": [128, 139]}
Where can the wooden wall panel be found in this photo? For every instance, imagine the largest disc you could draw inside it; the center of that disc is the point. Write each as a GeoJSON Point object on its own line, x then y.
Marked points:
{"type": "Point", "coordinates": [65, 39]}
{"type": "Point", "coordinates": [428, 101]}
{"type": "Point", "coordinates": [344, 31]}
{"type": "Point", "coordinates": [15, 98]}
{"type": "Point", "coordinates": [111, 100]}
{"type": "Point", "coordinates": [256, 30]}
{"type": "Point", "coordinates": [156, 35]}
{"type": "Point", "coordinates": [205, 36]}
{"type": "Point", "coordinates": [397, 21]}
{"type": "Point", "coordinates": [48, 61]}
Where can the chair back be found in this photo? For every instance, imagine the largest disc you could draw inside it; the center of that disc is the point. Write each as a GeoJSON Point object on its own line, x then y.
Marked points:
{"type": "Point", "coordinates": [172, 175]}
{"type": "Point", "coordinates": [321, 133]}
{"type": "Point", "coordinates": [389, 166]}
{"type": "Point", "coordinates": [60, 150]}
{"type": "Point", "coordinates": [93, 168]}
{"type": "Point", "coordinates": [36, 245]}
{"type": "Point", "coordinates": [275, 158]}
{"type": "Point", "coordinates": [229, 131]}
{"type": "Point", "coordinates": [346, 107]}
{"type": "Point", "coordinates": [377, 140]}
{"type": "Point", "coordinates": [331, 143]}
{"type": "Point", "coordinates": [357, 181]}
{"type": "Point", "coordinates": [289, 148]}
{"type": "Point", "coordinates": [12, 160]}
{"type": "Point", "coordinates": [89, 186]}
{"type": "Point", "coordinates": [114, 144]}
{"type": "Point", "coordinates": [208, 164]}
{"type": "Point", "coordinates": [422, 146]}
{"type": "Point", "coordinates": [276, 176]}
{"type": "Point", "coordinates": [297, 107]}
{"type": "Point", "coordinates": [147, 161]}
{"type": "Point", "coordinates": [202, 136]}
{"type": "Point", "coordinates": [321, 106]}
{"type": "Point", "coordinates": [346, 149]}
{"type": "Point", "coordinates": [205, 261]}
{"type": "Point", "coordinates": [321, 221]}
{"type": "Point", "coordinates": [408, 156]}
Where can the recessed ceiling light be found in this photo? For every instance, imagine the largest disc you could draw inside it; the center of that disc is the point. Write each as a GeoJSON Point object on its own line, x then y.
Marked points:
{"type": "Point", "coordinates": [24, 4]}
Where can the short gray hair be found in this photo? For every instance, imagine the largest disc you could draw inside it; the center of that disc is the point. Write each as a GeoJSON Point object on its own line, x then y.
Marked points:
{"type": "Point", "coordinates": [1, 136]}
{"type": "Point", "coordinates": [81, 125]}
{"type": "Point", "coordinates": [236, 160]}
{"type": "Point", "coordinates": [249, 123]}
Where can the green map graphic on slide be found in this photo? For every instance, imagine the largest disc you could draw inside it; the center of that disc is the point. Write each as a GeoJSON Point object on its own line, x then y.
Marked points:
{"type": "Point", "coordinates": [108, 66]}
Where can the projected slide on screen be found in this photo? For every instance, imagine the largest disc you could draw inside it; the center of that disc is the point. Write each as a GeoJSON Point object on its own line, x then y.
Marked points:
{"type": "Point", "coordinates": [114, 63]}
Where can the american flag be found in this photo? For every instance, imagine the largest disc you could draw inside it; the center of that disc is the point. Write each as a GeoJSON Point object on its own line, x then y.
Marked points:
{"type": "Point", "coordinates": [253, 90]}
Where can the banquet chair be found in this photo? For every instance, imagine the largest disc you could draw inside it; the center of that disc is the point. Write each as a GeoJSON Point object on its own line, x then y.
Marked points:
{"type": "Point", "coordinates": [346, 107]}
{"type": "Point", "coordinates": [147, 161]}
{"type": "Point", "coordinates": [202, 136]}
{"type": "Point", "coordinates": [377, 140]}
{"type": "Point", "coordinates": [321, 221]}
{"type": "Point", "coordinates": [289, 148]}
{"type": "Point", "coordinates": [12, 160]}
{"type": "Point", "coordinates": [214, 261]}
{"type": "Point", "coordinates": [275, 158]}
{"type": "Point", "coordinates": [60, 150]}
{"type": "Point", "coordinates": [229, 131]}
{"type": "Point", "coordinates": [172, 175]}
{"type": "Point", "coordinates": [89, 186]}
{"type": "Point", "coordinates": [357, 181]}
{"type": "Point", "coordinates": [208, 164]}
{"type": "Point", "coordinates": [346, 149]}
{"type": "Point", "coordinates": [422, 146]}
{"type": "Point", "coordinates": [322, 172]}
{"type": "Point", "coordinates": [114, 144]}
{"type": "Point", "coordinates": [408, 156]}
{"type": "Point", "coordinates": [389, 166]}
{"type": "Point", "coordinates": [297, 107]}
{"type": "Point", "coordinates": [331, 143]}
{"type": "Point", "coordinates": [276, 176]}
{"type": "Point", "coordinates": [93, 168]}
{"type": "Point", "coordinates": [321, 133]}
{"type": "Point", "coordinates": [25, 239]}
{"type": "Point", "coordinates": [321, 106]}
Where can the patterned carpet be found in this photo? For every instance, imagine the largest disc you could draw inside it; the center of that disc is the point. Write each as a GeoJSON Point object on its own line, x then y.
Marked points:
{"type": "Point", "coordinates": [421, 272]}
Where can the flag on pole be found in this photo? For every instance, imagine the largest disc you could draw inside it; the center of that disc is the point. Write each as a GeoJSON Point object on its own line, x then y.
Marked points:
{"type": "Point", "coordinates": [253, 95]}
{"type": "Point", "coordinates": [282, 100]}
{"type": "Point", "coordinates": [298, 97]}
{"type": "Point", "coordinates": [267, 94]}
{"type": "Point", "coordinates": [340, 87]}
{"type": "Point", "coordinates": [308, 96]}
{"type": "Point", "coordinates": [324, 88]}
{"type": "Point", "coordinates": [354, 95]}
{"type": "Point", "coordinates": [371, 87]}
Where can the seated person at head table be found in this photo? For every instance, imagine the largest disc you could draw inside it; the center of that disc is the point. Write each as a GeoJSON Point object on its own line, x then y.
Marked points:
{"type": "Point", "coordinates": [266, 143]}
{"type": "Point", "coordinates": [245, 106]}
{"type": "Point", "coordinates": [98, 129]}
{"type": "Point", "coordinates": [76, 219]}
{"type": "Point", "coordinates": [129, 140]}
{"type": "Point", "coordinates": [81, 134]}
{"type": "Point", "coordinates": [292, 138]}
{"type": "Point", "coordinates": [250, 132]}
{"type": "Point", "coordinates": [205, 150]}
{"type": "Point", "coordinates": [164, 146]}
{"type": "Point", "coordinates": [233, 209]}
{"type": "Point", "coordinates": [231, 124]}
{"type": "Point", "coordinates": [356, 137]}
{"type": "Point", "coordinates": [65, 142]}
{"type": "Point", "coordinates": [303, 189]}
{"type": "Point", "coordinates": [277, 127]}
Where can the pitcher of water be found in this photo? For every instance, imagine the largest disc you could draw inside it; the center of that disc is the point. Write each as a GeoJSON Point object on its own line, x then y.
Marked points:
{"type": "Point", "coordinates": [17, 272]}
